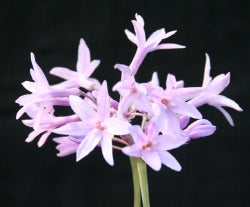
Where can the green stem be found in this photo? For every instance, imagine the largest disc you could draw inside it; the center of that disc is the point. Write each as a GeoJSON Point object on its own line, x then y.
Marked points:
{"type": "Point", "coordinates": [136, 183]}
{"type": "Point", "coordinates": [143, 179]}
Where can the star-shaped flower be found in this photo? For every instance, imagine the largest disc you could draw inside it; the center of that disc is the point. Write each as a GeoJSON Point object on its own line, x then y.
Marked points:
{"type": "Point", "coordinates": [152, 148]}
{"type": "Point", "coordinates": [97, 127]}
{"type": "Point", "coordinates": [84, 69]}
{"type": "Point", "coordinates": [211, 92]}
{"type": "Point", "coordinates": [42, 94]}
{"type": "Point", "coordinates": [153, 42]}
{"type": "Point", "coordinates": [144, 46]}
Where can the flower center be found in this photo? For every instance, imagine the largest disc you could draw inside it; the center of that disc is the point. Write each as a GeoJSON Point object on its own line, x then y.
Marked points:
{"type": "Point", "coordinates": [147, 146]}
{"type": "Point", "coordinates": [164, 101]}
{"type": "Point", "coordinates": [100, 126]}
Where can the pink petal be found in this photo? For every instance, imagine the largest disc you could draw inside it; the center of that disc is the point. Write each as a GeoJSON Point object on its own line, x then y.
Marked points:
{"type": "Point", "coordinates": [168, 160]}
{"type": "Point", "coordinates": [140, 34]}
{"type": "Point", "coordinates": [200, 128]}
{"type": "Point", "coordinates": [156, 37]}
{"type": "Point", "coordinates": [167, 142]}
{"type": "Point", "coordinates": [88, 144]}
{"type": "Point", "coordinates": [38, 75]}
{"type": "Point", "coordinates": [65, 146]}
{"type": "Point", "coordinates": [226, 114]}
{"type": "Point", "coordinates": [33, 135]}
{"type": "Point", "coordinates": [131, 36]}
{"type": "Point", "coordinates": [106, 145]}
{"type": "Point", "coordinates": [91, 68]}
{"type": "Point", "coordinates": [43, 138]}
{"type": "Point", "coordinates": [83, 57]}
{"type": "Point", "coordinates": [64, 73]}
{"type": "Point", "coordinates": [137, 134]}
{"type": "Point", "coordinates": [117, 126]}
{"type": "Point", "coordinates": [74, 129]}
{"type": "Point", "coordinates": [133, 151]}
{"type": "Point", "coordinates": [219, 83]}
{"type": "Point", "coordinates": [169, 46]}
{"type": "Point", "coordinates": [152, 159]}
{"type": "Point", "coordinates": [223, 101]}
{"type": "Point", "coordinates": [169, 34]}
{"type": "Point", "coordinates": [31, 86]}
{"type": "Point", "coordinates": [207, 78]}
{"type": "Point", "coordinates": [139, 19]}
{"type": "Point", "coordinates": [103, 101]}
{"type": "Point", "coordinates": [183, 108]}
{"type": "Point", "coordinates": [82, 108]}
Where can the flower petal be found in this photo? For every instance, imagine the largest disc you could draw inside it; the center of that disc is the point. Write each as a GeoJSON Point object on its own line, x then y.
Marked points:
{"type": "Point", "coordinates": [103, 101]}
{"type": "Point", "coordinates": [117, 126]}
{"type": "Point", "coordinates": [152, 159]}
{"type": "Point", "coordinates": [64, 73]}
{"type": "Point", "coordinates": [37, 74]}
{"type": "Point", "coordinates": [78, 128]}
{"type": "Point", "coordinates": [106, 145]}
{"type": "Point", "coordinates": [168, 160]}
{"type": "Point", "coordinates": [82, 108]}
{"type": "Point", "coordinates": [88, 144]}
{"type": "Point", "coordinates": [169, 46]}
{"type": "Point", "coordinates": [65, 146]}
{"type": "Point", "coordinates": [83, 59]}
{"type": "Point", "coordinates": [131, 36]}
{"type": "Point", "coordinates": [223, 101]}
{"type": "Point", "coordinates": [132, 151]}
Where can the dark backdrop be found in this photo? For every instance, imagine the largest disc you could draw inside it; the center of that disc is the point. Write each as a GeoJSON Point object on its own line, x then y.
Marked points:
{"type": "Point", "coordinates": [215, 169]}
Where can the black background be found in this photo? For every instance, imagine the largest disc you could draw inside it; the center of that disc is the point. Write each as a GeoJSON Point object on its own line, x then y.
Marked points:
{"type": "Point", "coordinates": [215, 169]}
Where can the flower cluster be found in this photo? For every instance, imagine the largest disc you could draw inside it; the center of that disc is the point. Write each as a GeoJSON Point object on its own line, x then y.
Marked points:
{"type": "Point", "coordinates": [170, 115]}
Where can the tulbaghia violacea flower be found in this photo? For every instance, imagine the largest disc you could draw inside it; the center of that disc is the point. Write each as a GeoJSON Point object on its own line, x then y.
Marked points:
{"type": "Point", "coordinates": [42, 94]}
{"type": "Point", "coordinates": [211, 90]}
{"type": "Point", "coordinates": [200, 128]}
{"type": "Point", "coordinates": [152, 148]}
{"type": "Point", "coordinates": [133, 95]}
{"type": "Point", "coordinates": [65, 146]}
{"type": "Point", "coordinates": [43, 124]}
{"type": "Point", "coordinates": [96, 127]}
{"type": "Point", "coordinates": [38, 105]}
{"type": "Point", "coordinates": [144, 45]}
{"type": "Point", "coordinates": [174, 98]}
{"type": "Point", "coordinates": [84, 69]}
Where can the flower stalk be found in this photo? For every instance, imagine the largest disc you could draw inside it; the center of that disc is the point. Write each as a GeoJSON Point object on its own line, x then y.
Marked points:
{"type": "Point", "coordinates": [140, 182]}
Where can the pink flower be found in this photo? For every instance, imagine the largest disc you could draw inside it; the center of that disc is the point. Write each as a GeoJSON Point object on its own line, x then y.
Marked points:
{"type": "Point", "coordinates": [134, 95]}
{"type": "Point", "coordinates": [153, 42]}
{"type": "Point", "coordinates": [200, 128]}
{"type": "Point", "coordinates": [84, 69]}
{"type": "Point", "coordinates": [42, 94]}
{"type": "Point", "coordinates": [152, 148]}
{"type": "Point", "coordinates": [65, 146]}
{"type": "Point", "coordinates": [144, 45]}
{"type": "Point", "coordinates": [96, 127]}
{"type": "Point", "coordinates": [211, 90]}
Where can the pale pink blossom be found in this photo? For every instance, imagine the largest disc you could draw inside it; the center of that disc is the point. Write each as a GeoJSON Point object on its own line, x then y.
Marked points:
{"type": "Point", "coordinates": [144, 46]}
{"type": "Point", "coordinates": [211, 93]}
{"type": "Point", "coordinates": [65, 146]}
{"type": "Point", "coordinates": [152, 148]}
{"type": "Point", "coordinates": [95, 127]}
{"type": "Point", "coordinates": [84, 69]}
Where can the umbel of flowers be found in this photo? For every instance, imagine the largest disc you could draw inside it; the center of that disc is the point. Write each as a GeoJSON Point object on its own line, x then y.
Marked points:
{"type": "Point", "coordinates": [170, 115]}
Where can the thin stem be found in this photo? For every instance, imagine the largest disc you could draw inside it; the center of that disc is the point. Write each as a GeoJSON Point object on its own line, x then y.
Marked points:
{"type": "Point", "coordinates": [136, 183]}
{"type": "Point", "coordinates": [142, 172]}
{"type": "Point", "coordinates": [120, 141]}
{"type": "Point", "coordinates": [116, 147]}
